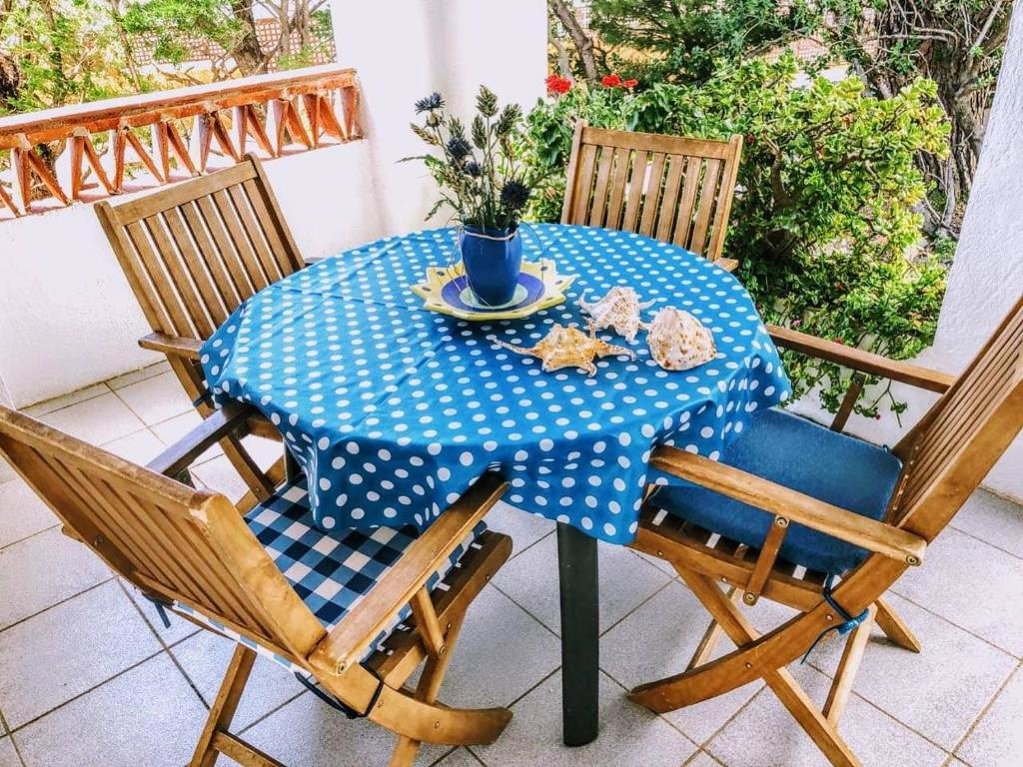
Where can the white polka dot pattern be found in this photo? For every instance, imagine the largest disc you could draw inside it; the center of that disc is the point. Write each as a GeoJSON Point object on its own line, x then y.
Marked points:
{"type": "Point", "coordinates": [393, 411]}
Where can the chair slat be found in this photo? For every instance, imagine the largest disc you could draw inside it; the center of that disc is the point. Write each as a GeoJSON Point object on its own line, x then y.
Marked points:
{"type": "Point", "coordinates": [655, 182]}
{"type": "Point", "coordinates": [242, 246]}
{"type": "Point", "coordinates": [604, 164]}
{"type": "Point", "coordinates": [155, 533]}
{"type": "Point", "coordinates": [241, 269]}
{"type": "Point", "coordinates": [669, 202]}
{"type": "Point", "coordinates": [729, 174]}
{"type": "Point", "coordinates": [54, 476]}
{"type": "Point", "coordinates": [698, 243]}
{"type": "Point", "coordinates": [637, 184]}
{"type": "Point", "coordinates": [288, 259]}
{"type": "Point", "coordinates": [621, 173]}
{"type": "Point", "coordinates": [163, 287]}
{"type": "Point", "coordinates": [213, 242]}
{"type": "Point", "coordinates": [688, 202]}
{"type": "Point", "coordinates": [583, 185]}
{"type": "Point", "coordinates": [108, 524]}
{"type": "Point", "coordinates": [256, 238]}
{"type": "Point", "coordinates": [194, 307]}
{"type": "Point", "coordinates": [972, 398]}
{"type": "Point", "coordinates": [201, 272]}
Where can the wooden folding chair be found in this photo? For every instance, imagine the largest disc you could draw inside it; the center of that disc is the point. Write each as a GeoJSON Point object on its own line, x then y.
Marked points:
{"type": "Point", "coordinates": [676, 189]}
{"type": "Point", "coordinates": [192, 254]}
{"type": "Point", "coordinates": [793, 505]}
{"type": "Point", "coordinates": [352, 614]}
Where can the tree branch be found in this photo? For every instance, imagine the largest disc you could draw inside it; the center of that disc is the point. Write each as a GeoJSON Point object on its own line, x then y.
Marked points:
{"type": "Point", "coordinates": [583, 43]}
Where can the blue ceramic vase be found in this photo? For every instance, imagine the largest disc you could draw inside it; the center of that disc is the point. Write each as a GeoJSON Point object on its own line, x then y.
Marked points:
{"type": "Point", "coordinates": [492, 260]}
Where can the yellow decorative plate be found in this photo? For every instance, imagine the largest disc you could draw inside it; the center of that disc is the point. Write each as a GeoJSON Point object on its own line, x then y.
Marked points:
{"type": "Point", "coordinates": [446, 291]}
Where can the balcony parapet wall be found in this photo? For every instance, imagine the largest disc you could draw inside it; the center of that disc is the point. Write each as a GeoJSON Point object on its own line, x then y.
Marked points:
{"type": "Point", "coordinates": [137, 142]}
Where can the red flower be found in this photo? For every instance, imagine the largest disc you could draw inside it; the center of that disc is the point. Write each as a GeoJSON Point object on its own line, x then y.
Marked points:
{"type": "Point", "coordinates": [611, 81]}
{"type": "Point", "coordinates": [558, 84]}
{"type": "Point", "coordinates": [630, 84]}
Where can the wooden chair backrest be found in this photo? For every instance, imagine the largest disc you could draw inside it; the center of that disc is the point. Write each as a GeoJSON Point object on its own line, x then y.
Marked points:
{"type": "Point", "coordinates": [173, 542]}
{"type": "Point", "coordinates": [195, 251]}
{"type": "Point", "coordinates": [966, 431]}
{"type": "Point", "coordinates": [678, 190]}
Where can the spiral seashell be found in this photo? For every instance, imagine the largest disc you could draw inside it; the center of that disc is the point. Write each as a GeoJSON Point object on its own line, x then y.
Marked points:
{"type": "Point", "coordinates": [679, 341]}
{"type": "Point", "coordinates": [618, 310]}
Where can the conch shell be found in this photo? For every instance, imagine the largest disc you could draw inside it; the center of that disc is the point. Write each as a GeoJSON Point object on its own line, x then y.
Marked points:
{"type": "Point", "coordinates": [569, 347]}
{"type": "Point", "coordinates": [618, 310]}
{"type": "Point", "coordinates": [679, 341]}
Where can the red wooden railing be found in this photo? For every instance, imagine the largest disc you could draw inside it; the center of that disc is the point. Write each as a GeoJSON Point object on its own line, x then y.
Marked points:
{"type": "Point", "coordinates": [190, 131]}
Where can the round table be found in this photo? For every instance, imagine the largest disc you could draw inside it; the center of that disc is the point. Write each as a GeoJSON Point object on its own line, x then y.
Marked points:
{"type": "Point", "coordinates": [392, 411]}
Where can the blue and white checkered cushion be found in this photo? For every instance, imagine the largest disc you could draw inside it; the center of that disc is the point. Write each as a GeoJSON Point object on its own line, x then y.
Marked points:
{"type": "Point", "coordinates": [330, 572]}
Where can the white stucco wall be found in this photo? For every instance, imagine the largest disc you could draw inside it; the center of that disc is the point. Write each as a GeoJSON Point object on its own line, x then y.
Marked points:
{"type": "Point", "coordinates": [406, 49]}
{"type": "Point", "coordinates": [987, 275]}
{"type": "Point", "coordinates": [67, 316]}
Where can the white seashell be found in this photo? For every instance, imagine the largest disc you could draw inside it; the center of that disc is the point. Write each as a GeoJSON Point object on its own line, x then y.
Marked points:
{"type": "Point", "coordinates": [618, 310]}
{"type": "Point", "coordinates": [679, 341]}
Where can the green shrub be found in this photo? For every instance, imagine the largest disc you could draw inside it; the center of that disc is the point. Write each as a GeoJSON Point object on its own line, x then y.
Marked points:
{"type": "Point", "coordinates": [823, 222]}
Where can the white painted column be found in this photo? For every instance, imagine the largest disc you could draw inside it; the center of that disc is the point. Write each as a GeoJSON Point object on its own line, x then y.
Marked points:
{"type": "Point", "coordinates": [406, 49]}
{"type": "Point", "coordinates": [987, 274]}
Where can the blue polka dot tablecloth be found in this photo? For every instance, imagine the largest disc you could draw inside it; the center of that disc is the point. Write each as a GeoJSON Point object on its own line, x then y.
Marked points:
{"type": "Point", "coordinates": [393, 411]}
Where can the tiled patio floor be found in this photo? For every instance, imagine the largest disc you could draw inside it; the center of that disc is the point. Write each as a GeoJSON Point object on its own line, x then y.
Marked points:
{"type": "Point", "coordinates": [88, 677]}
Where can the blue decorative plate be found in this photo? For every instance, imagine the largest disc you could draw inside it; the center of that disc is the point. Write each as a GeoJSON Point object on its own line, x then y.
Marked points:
{"type": "Point", "coordinates": [446, 291]}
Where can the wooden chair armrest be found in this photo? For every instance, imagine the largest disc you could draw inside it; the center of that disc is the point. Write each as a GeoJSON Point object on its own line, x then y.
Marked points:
{"type": "Point", "coordinates": [173, 345]}
{"type": "Point", "coordinates": [347, 642]}
{"type": "Point", "coordinates": [779, 500]}
{"type": "Point", "coordinates": [863, 361]}
{"type": "Point", "coordinates": [230, 419]}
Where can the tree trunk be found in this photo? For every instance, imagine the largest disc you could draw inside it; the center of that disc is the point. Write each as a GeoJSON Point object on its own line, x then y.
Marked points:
{"type": "Point", "coordinates": [956, 45]}
{"type": "Point", "coordinates": [301, 23]}
{"type": "Point", "coordinates": [247, 53]}
{"type": "Point", "coordinates": [122, 36]}
{"type": "Point", "coordinates": [564, 65]}
{"type": "Point", "coordinates": [10, 81]}
{"type": "Point", "coordinates": [583, 43]}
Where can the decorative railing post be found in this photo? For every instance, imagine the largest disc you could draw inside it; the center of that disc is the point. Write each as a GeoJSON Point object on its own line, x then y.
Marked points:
{"type": "Point", "coordinates": [298, 110]}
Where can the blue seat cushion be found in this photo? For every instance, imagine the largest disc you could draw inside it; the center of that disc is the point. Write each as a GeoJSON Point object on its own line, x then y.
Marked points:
{"type": "Point", "coordinates": [331, 572]}
{"type": "Point", "coordinates": [802, 456]}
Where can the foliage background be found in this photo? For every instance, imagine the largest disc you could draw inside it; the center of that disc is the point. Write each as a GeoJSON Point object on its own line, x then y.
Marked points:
{"type": "Point", "coordinates": [824, 223]}
{"type": "Point", "coordinates": [59, 52]}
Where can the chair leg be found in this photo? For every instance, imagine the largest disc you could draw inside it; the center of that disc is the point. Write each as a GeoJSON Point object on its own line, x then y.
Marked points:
{"type": "Point", "coordinates": [275, 475]}
{"type": "Point", "coordinates": [894, 627]}
{"type": "Point", "coordinates": [705, 648]}
{"type": "Point", "coordinates": [841, 688]}
{"type": "Point", "coordinates": [823, 733]}
{"type": "Point", "coordinates": [427, 690]}
{"type": "Point", "coordinates": [215, 737]}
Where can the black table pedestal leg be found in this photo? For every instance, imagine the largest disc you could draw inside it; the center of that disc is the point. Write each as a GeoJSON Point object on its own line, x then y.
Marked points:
{"type": "Point", "coordinates": [580, 636]}
{"type": "Point", "coordinates": [292, 471]}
